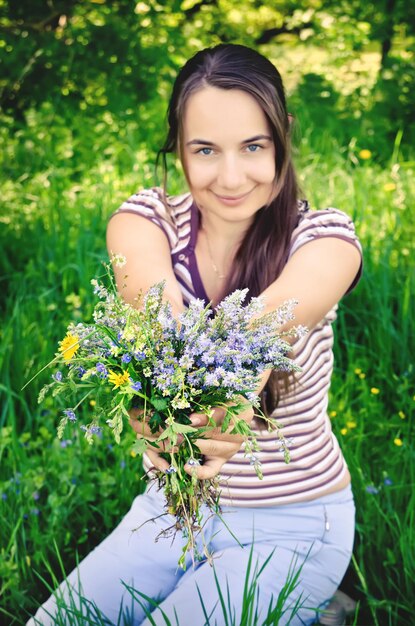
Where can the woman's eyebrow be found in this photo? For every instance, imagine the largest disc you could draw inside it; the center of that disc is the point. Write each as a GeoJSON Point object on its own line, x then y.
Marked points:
{"type": "Point", "coordinates": [257, 138]}
{"type": "Point", "coordinates": [205, 142]}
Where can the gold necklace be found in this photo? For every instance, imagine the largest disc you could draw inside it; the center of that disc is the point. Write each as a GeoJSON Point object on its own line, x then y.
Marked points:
{"type": "Point", "coordinates": [212, 262]}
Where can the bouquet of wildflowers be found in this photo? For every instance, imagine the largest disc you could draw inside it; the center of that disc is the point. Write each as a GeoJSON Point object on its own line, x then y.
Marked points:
{"type": "Point", "coordinates": [143, 357]}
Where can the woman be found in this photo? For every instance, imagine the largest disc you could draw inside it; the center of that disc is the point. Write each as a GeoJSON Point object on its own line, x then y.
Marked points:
{"type": "Point", "coordinates": [240, 225]}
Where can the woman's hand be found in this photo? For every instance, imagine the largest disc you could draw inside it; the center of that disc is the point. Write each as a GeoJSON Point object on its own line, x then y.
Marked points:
{"type": "Point", "coordinates": [216, 447]}
{"type": "Point", "coordinates": [139, 423]}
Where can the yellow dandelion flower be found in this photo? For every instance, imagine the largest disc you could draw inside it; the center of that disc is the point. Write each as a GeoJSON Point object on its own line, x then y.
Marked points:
{"type": "Point", "coordinates": [362, 375]}
{"type": "Point", "coordinates": [389, 187]}
{"type": "Point", "coordinates": [118, 379]}
{"type": "Point", "coordinates": [92, 402]}
{"type": "Point", "coordinates": [358, 371]}
{"type": "Point", "coordinates": [343, 431]}
{"type": "Point", "coordinates": [365, 154]}
{"type": "Point", "coordinates": [398, 442]}
{"type": "Point", "coordinates": [375, 391]}
{"type": "Point", "coordinates": [133, 454]}
{"type": "Point", "coordinates": [333, 413]}
{"type": "Point", "coordinates": [351, 424]}
{"type": "Point", "coordinates": [69, 346]}
{"type": "Point", "coordinates": [402, 415]}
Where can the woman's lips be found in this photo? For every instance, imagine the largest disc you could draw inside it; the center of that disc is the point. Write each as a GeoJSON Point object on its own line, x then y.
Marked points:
{"type": "Point", "coordinates": [231, 200]}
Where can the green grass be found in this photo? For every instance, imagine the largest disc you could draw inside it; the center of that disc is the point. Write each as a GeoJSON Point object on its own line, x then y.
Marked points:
{"type": "Point", "coordinates": [60, 182]}
{"type": "Point", "coordinates": [73, 608]}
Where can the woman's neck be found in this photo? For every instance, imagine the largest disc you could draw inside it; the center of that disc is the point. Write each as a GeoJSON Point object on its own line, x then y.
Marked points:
{"type": "Point", "coordinates": [225, 236]}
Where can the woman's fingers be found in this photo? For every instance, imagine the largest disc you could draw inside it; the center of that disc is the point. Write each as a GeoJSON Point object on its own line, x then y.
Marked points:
{"type": "Point", "coordinates": [215, 453]}
{"type": "Point", "coordinates": [136, 414]}
{"type": "Point", "coordinates": [210, 468]}
{"type": "Point", "coordinates": [141, 428]}
{"type": "Point", "coordinates": [218, 447]}
{"type": "Point", "coordinates": [157, 461]}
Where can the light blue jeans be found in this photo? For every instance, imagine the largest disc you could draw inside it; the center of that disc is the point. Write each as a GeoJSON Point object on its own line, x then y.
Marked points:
{"type": "Point", "coordinates": [318, 534]}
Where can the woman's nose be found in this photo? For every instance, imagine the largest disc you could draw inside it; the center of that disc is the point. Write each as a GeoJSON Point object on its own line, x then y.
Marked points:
{"type": "Point", "coordinates": [231, 175]}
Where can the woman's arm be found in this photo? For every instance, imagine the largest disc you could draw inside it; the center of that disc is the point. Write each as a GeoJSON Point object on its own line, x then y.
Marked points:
{"type": "Point", "coordinates": [147, 250]}
{"type": "Point", "coordinates": [317, 275]}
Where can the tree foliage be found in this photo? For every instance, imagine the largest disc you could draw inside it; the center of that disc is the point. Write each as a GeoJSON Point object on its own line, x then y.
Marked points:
{"type": "Point", "coordinates": [90, 54]}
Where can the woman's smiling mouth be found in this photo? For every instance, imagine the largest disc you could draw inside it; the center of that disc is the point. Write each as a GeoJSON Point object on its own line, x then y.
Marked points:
{"type": "Point", "coordinates": [231, 200]}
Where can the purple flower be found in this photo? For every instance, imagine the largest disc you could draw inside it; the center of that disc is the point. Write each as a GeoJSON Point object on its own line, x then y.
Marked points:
{"type": "Point", "coordinates": [372, 489]}
{"type": "Point", "coordinates": [126, 358]}
{"type": "Point", "coordinates": [139, 356]}
{"type": "Point", "coordinates": [101, 370]}
{"type": "Point", "coordinates": [81, 371]}
{"type": "Point", "coordinates": [92, 430]}
{"type": "Point", "coordinates": [35, 495]}
{"type": "Point", "coordinates": [35, 511]}
{"type": "Point", "coordinates": [193, 462]}
{"type": "Point", "coordinates": [388, 481]}
{"type": "Point", "coordinates": [170, 470]}
{"type": "Point", "coordinates": [136, 386]}
{"type": "Point", "coordinates": [58, 376]}
{"type": "Point", "coordinates": [70, 414]}
{"type": "Point", "coordinates": [65, 443]}
{"type": "Point", "coordinates": [253, 398]}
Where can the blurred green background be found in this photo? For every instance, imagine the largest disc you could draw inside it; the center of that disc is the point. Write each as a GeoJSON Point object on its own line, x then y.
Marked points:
{"type": "Point", "coordinates": [84, 87]}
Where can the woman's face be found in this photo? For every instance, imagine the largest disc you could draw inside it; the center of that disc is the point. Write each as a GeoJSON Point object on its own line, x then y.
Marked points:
{"type": "Point", "coordinates": [228, 154]}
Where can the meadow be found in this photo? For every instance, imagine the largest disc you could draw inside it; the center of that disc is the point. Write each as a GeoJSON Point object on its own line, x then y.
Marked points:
{"type": "Point", "coordinates": [64, 170]}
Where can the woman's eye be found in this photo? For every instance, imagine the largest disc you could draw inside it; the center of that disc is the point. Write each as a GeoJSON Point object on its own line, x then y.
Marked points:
{"type": "Point", "coordinates": [254, 147]}
{"type": "Point", "coordinates": [205, 151]}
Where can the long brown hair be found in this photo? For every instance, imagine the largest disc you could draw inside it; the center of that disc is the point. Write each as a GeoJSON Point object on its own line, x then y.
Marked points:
{"type": "Point", "coordinates": [265, 247]}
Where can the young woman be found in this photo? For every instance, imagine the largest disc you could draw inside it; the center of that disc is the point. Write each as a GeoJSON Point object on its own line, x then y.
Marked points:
{"type": "Point", "coordinates": [240, 224]}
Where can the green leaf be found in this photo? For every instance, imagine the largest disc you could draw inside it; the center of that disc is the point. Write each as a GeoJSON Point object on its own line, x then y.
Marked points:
{"type": "Point", "coordinates": [241, 428]}
{"type": "Point", "coordinates": [168, 433]}
{"type": "Point", "coordinates": [139, 447]}
{"type": "Point", "coordinates": [116, 423]}
{"type": "Point", "coordinates": [155, 422]}
{"type": "Point", "coordinates": [231, 412]}
{"type": "Point", "coordinates": [160, 404]}
{"type": "Point", "coordinates": [182, 428]}
{"type": "Point", "coordinates": [61, 427]}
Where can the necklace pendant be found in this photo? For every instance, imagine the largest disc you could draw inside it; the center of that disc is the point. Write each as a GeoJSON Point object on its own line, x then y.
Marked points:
{"type": "Point", "coordinates": [217, 272]}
